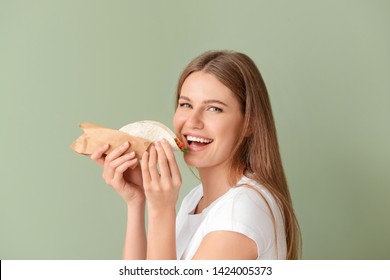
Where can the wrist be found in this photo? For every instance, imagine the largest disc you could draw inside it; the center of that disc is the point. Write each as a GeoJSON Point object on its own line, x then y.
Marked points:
{"type": "Point", "coordinates": [161, 213]}
{"type": "Point", "coordinates": [136, 203]}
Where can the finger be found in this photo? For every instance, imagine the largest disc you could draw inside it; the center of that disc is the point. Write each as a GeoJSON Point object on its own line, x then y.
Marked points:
{"type": "Point", "coordinates": [109, 167]}
{"type": "Point", "coordinates": [118, 151]}
{"type": "Point", "coordinates": [126, 157]}
{"type": "Point", "coordinates": [173, 167]}
{"type": "Point", "coordinates": [162, 161]}
{"type": "Point", "coordinates": [118, 175]}
{"type": "Point", "coordinates": [98, 155]}
{"type": "Point", "coordinates": [144, 169]}
{"type": "Point", "coordinates": [152, 164]}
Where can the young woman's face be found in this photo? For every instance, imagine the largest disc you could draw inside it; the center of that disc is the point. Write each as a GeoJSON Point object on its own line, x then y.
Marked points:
{"type": "Point", "coordinates": [208, 120]}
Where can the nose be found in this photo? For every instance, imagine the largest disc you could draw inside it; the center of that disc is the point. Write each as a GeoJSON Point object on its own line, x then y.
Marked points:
{"type": "Point", "coordinates": [195, 120]}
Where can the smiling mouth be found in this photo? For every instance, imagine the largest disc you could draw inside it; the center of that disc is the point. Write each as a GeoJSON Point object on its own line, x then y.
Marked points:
{"type": "Point", "coordinates": [197, 141]}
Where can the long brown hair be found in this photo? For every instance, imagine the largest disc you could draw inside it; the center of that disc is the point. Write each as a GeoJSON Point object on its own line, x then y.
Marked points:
{"type": "Point", "coordinates": [256, 153]}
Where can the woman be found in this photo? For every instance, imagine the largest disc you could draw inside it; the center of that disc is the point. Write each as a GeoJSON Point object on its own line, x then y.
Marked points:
{"type": "Point", "coordinates": [242, 209]}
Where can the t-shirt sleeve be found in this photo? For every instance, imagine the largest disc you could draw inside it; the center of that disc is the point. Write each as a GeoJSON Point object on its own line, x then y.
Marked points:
{"type": "Point", "coordinates": [246, 212]}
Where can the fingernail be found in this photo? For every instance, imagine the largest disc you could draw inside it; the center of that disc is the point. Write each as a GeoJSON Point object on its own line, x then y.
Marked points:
{"type": "Point", "coordinates": [132, 154]}
{"type": "Point", "coordinates": [125, 144]}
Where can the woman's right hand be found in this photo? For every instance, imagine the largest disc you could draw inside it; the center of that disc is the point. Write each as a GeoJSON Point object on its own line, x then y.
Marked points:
{"type": "Point", "coordinates": [119, 174]}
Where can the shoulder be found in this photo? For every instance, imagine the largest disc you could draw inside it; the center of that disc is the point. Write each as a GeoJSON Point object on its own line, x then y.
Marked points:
{"type": "Point", "coordinates": [250, 211]}
{"type": "Point", "coordinates": [246, 203]}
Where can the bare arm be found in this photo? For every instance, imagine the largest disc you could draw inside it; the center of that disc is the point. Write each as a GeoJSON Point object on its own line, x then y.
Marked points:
{"type": "Point", "coordinates": [135, 239]}
{"type": "Point", "coordinates": [226, 245]}
{"type": "Point", "coordinates": [120, 174]}
{"type": "Point", "coordinates": [162, 191]}
{"type": "Point", "coordinates": [162, 235]}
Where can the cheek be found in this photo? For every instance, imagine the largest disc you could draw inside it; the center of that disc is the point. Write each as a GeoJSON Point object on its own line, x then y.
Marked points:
{"type": "Point", "coordinates": [232, 131]}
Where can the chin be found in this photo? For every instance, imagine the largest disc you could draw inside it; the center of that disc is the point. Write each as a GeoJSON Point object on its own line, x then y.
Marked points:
{"type": "Point", "coordinates": [200, 164]}
{"type": "Point", "coordinates": [191, 163]}
{"type": "Point", "coordinates": [196, 163]}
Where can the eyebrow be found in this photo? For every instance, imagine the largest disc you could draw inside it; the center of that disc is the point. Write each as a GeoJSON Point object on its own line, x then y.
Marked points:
{"type": "Point", "coordinates": [206, 101]}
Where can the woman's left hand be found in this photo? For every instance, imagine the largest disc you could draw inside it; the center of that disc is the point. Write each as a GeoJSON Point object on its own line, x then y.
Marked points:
{"type": "Point", "coordinates": [161, 188]}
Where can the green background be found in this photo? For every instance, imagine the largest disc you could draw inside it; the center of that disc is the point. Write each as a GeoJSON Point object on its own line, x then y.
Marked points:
{"type": "Point", "coordinates": [326, 65]}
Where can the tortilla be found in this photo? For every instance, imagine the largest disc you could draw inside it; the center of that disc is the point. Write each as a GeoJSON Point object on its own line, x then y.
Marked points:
{"type": "Point", "coordinates": [152, 131]}
{"type": "Point", "coordinates": [140, 135]}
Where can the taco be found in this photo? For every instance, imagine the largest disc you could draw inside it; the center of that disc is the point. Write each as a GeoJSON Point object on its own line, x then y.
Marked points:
{"type": "Point", "coordinates": [140, 135]}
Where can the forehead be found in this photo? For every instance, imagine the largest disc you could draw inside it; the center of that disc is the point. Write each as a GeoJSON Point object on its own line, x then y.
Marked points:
{"type": "Point", "coordinates": [199, 86]}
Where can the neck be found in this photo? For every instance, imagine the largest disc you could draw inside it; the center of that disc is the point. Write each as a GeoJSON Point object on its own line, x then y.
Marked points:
{"type": "Point", "coordinates": [215, 183]}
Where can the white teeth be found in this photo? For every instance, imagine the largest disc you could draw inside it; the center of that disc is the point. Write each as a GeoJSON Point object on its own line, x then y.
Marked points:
{"type": "Point", "coordinates": [197, 139]}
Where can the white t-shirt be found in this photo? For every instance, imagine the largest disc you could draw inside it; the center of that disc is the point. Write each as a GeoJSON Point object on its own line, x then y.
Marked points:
{"type": "Point", "coordinates": [241, 209]}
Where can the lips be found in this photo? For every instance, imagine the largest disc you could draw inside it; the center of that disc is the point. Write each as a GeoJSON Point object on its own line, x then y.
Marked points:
{"type": "Point", "coordinates": [197, 142]}
{"type": "Point", "coordinates": [202, 140]}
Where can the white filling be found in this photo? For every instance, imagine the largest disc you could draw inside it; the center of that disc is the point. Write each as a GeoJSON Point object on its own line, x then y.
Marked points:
{"type": "Point", "coordinates": [197, 139]}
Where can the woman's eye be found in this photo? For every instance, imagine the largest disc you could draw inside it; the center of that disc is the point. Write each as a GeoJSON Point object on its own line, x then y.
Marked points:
{"type": "Point", "coordinates": [184, 105]}
{"type": "Point", "coordinates": [215, 109]}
